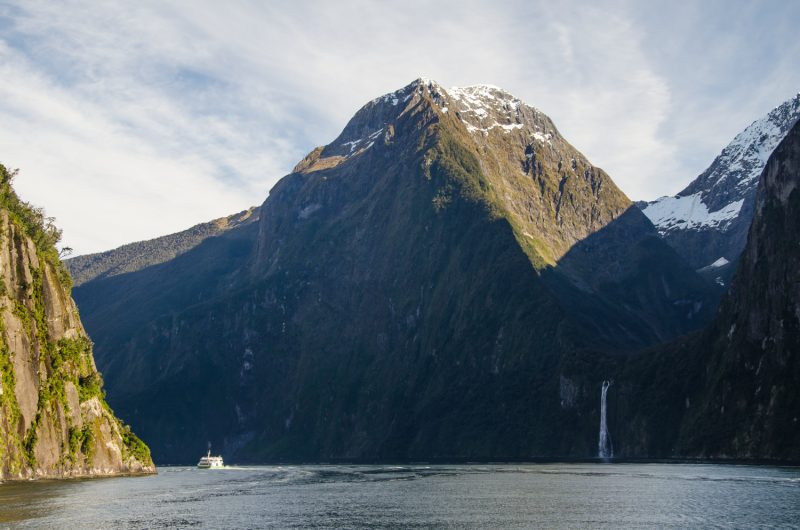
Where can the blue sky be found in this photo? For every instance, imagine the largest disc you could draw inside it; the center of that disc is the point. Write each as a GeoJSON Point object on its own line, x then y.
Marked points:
{"type": "Point", "coordinates": [129, 121]}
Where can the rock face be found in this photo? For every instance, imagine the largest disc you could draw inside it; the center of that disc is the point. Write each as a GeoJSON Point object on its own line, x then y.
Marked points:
{"type": "Point", "coordinates": [732, 390]}
{"type": "Point", "coordinates": [707, 222]}
{"type": "Point", "coordinates": [54, 421]}
{"type": "Point", "coordinates": [432, 284]}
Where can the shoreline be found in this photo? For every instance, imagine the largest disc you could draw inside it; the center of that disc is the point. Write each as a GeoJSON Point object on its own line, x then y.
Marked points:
{"type": "Point", "coordinates": [82, 476]}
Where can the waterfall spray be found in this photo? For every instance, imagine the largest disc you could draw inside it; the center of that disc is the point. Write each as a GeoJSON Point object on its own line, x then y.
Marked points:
{"type": "Point", "coordinates": [604, 447]}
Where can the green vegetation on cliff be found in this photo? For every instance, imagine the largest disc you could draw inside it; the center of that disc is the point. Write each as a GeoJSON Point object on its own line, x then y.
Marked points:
{"type": "Point", "coordinates": [53, 417]}
{"type": "Point", "coordinates": [35, 224]}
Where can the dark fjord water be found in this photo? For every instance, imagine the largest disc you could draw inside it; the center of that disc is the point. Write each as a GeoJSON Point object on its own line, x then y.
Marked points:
{"type": "Point", "coordinates": [459, 496]}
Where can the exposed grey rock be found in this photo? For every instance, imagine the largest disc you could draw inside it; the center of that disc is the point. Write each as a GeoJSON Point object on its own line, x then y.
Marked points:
{"type": "Point", "coordinates": [54, 422]}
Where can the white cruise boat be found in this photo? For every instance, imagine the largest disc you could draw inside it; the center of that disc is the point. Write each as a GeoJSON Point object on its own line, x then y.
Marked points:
{"type": "Point", "coordinates": [210, 462]}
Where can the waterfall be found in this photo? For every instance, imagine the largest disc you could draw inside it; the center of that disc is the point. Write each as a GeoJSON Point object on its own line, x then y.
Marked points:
{"type": "Point", "coordinates": [604, 447]}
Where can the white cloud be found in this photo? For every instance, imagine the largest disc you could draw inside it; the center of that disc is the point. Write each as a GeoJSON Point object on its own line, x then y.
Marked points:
{"type": "Point", "coordinates": [131, 122]}
{"type": "Point", "coordinates": [604, 95]}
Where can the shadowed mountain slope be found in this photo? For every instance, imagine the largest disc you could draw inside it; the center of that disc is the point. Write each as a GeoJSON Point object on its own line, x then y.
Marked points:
{"type": "Point", "coordinates": [416, 289]}
{"type": "Point", "coordinates": [731, 391]}
{"type": "Point", "coordinates": [136, 256]}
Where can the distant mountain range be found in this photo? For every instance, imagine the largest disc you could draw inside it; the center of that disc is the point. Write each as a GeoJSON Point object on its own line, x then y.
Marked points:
{"type": "Point", "coordinates": [707, 222]}
{"type": "Point", "coordinates": [448, 279]}
{"type": "Point", "coordinates": [142, 254]}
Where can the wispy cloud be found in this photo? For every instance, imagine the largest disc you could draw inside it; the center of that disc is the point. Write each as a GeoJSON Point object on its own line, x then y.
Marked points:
{"type": "Point", "coordinates": [130, 122]}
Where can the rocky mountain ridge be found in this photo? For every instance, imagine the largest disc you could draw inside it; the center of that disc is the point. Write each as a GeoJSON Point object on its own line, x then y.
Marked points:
{"type": "Point", "coordinates": [142, 254]}
{"type": "Point", "coordinates": [707, 222]}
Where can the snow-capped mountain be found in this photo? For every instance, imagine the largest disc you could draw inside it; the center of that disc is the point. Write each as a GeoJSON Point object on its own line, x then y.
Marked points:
{"type": "Point", "coordinates": [707, 222]}
{"type": "Point", "coordinates": [448, 243]}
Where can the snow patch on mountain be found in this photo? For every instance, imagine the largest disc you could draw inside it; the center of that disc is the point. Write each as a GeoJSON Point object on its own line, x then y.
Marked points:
{"type": "Point", "coordinates": [718, 264]}
{"type": "Point", "coordinates": [481, 99]}
{"type": "Point", "coordinates": [483, 108]}
{"type": "Point", "coordinates": [716, 197]}
{"type": "Point", "coordinates": [369, 139]}
{"type": "Point", "coordinates": [484, 101]}
{"type": "Point", "coordinates": [507, 128]}
{"type": "Point", "coordinates": [670, 213]}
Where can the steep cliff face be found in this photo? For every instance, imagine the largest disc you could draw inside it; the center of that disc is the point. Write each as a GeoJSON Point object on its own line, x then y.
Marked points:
{"type": "Point", "coordinates": [54, 421]}
{"type": "Point", "coordinates": [433, 283]}
{"type": "Point", "coordinates": [732, 391]}
{"type": "Point", "coordinates": [750, 402]}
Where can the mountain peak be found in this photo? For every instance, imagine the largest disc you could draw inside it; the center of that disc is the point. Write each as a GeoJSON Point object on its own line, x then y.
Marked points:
{"type": "Point", "coordinates": [479, 96]}
{"type": "Point", "coordinates": [481, 108]}
{"type": "Point", "coordinates": [482, 91]}
{"type": "Point", "coordinates": [751, 148]}
{"type": "Point", "coordinates": [709, 219]}
{"type": "Point", "coordinates": [484, 108]}
{"type": "Point", "coordinates": [524, 155]}
{"type": "Point", "coordinates": [734, 173]}
{"type": "Point", "coordinates": [395, 97]}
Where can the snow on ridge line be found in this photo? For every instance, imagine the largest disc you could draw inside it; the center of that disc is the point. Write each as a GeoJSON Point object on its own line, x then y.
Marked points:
{"type": "Point", "coordinates": [689, 211]}
{"type": "Point", "coordinates": [749, 151]}
{"type": "Point", "coordinates": [480, 107]}
{"type": "Point", "coordinates": [480, 103]}
{"type": "Point", "coordinates": [479, 86]}
{"type": "Point", "coordinates": [478, 99]}
{"type": "Point", "coordinates": [483, 90]}
{"type": "Point", "coordinates": [479, 95]}
{"type": "Point", "coordinates": [741, 162]}
{"type": "Point", "coordinates": [396, 95]}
